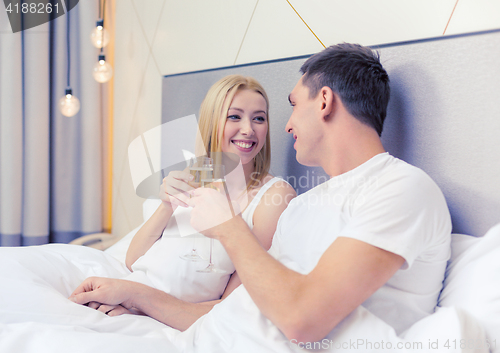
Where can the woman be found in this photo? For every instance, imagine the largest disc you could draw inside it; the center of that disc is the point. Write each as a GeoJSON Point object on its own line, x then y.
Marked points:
{"type": "Point", "coordinates": [36, 281]}
{"type": "Point", "coordinates": [233, 120]}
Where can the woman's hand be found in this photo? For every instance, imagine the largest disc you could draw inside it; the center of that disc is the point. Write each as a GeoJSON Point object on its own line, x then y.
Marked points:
{"type": "Point", "coordinates": [110, 310]}
{"type": "Point", "coordinates": [117, 296]}
{"type": "Point", "coordinates": [175, 188]}
{"type": "Point", "coordinates": [110, 296]}
{"type": "Point", "coordinates": [101, 292]}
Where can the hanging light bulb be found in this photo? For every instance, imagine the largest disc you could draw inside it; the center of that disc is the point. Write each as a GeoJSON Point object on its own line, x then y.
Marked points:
{"type": "Point", "coordinates": [69, 104]}
{"type": "Point", "coordinates": [99, 36]}
{"type": "Point", "coordinates": [102, 71]}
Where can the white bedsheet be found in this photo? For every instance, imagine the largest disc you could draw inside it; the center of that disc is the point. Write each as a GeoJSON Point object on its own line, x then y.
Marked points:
{"type": "Point", "coordinates": [36, 316]}
{"type": "Point", "coordinates": [221, 330]}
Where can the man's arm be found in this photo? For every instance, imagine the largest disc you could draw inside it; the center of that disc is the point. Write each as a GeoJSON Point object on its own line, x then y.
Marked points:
{"type": "Point", "coordinates": [303, 307]}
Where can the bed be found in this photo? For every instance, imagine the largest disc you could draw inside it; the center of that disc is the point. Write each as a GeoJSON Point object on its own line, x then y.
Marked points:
{"type": "Point", "coordinates": [444, 117]}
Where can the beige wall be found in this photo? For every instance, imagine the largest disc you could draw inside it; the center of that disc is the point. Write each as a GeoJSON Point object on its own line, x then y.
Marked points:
{"type": "Point", "coordinates": [160, 37]}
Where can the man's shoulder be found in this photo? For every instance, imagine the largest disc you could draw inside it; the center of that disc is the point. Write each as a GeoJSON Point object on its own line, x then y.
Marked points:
{"type": "Point", "coordinates": [410, 182]}
{"type": "Point", "coordinates": [396, 169]}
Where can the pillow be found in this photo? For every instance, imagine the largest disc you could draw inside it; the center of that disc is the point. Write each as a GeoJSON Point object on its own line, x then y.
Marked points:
{"type": "Point", "coordinates": [472, 281]}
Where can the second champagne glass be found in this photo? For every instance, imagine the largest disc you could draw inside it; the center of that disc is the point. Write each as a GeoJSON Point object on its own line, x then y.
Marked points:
{"type": "Point", "coordinates": [200, 168]}
{"type": "Point", "coordinates": [217, 181]}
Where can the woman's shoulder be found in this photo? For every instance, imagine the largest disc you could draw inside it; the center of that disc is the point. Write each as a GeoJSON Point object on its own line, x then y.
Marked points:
{"type": "Point", "coordinates": [271, 205]}
{"type": "Point", "coordinates": [277, 186]}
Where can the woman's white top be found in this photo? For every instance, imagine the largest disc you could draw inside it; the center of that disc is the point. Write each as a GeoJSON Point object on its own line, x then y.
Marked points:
{"type": "Point", "coordinates": [163, 268]}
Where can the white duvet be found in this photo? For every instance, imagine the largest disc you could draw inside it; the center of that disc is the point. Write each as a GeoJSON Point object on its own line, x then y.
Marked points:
{"type": "Point", "coordinates": [36, 316]}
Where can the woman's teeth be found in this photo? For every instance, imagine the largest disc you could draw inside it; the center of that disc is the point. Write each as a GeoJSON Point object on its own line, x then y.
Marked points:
{"type": "Point", "coordinates": [243, 144]}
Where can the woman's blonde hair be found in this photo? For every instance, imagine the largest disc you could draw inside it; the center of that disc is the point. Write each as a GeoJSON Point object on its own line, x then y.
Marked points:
{"type": "Point", "coordinates": [213, 114]}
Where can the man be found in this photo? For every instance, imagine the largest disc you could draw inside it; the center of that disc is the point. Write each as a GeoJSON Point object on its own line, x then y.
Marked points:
{"type": "Point", "coordinates": [377, 233]}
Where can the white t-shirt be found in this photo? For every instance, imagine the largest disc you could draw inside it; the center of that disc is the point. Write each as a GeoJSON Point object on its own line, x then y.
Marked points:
{"type": "Point", "coordinates": [384, 202]}
{"type": "Point", "coordinates": [161, 266]}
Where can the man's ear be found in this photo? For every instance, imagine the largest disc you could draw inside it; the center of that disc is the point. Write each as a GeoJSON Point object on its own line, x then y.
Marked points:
{"type": "Point", "coordinates": [328, 101]}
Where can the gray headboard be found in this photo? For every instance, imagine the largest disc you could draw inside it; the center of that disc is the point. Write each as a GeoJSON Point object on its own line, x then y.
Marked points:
{"type": "Point", "coordinates": [444, 117]}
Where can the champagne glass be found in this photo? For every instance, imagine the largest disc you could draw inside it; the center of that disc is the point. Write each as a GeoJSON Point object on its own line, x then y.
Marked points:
{"type": "Point", "coordinates": [200, 168]}
{"type": "Point", "coordinates": [215, 181]}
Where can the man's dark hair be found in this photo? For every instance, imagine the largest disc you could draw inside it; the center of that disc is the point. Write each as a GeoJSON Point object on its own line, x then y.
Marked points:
{"type": "Point", "coordinates": [355, 73]}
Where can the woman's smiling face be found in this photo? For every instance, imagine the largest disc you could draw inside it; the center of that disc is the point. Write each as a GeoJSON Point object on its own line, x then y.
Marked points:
{"type": "Point", "coordinates": [246, 125]}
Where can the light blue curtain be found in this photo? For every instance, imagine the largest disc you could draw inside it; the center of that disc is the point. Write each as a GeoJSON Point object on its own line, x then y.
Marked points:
{"type": "Point", "coordinates": [50, 165]}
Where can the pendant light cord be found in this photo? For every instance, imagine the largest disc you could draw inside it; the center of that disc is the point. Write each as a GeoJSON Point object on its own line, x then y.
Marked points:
{"type": "Point", "coordinates": [102, 13]}
{"type": "Point", "coordinates": [67, 45]}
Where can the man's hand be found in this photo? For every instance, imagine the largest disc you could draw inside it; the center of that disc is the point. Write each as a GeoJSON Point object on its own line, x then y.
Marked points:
{"type": "Point", "coordinates": [211, 211]}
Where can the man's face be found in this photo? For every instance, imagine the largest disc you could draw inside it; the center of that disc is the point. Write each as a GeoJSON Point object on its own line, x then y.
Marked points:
{"type": "Point", "coordinates": [304, 125]}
